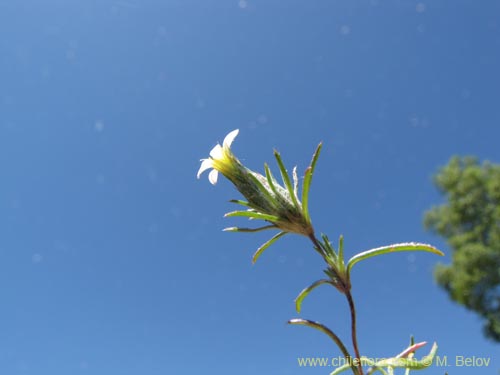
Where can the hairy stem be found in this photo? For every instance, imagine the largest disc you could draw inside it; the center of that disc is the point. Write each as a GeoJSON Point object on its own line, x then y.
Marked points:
{"type": "Point", "coordinates": [353, 329]}
{"type": "Point", "coordinates": [345, 289]}
{"type": "Point", "coordinates": [317, 245]}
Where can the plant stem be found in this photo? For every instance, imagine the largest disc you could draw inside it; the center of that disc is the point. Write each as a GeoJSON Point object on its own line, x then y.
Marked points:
{"type": "Point", "coordinates": [317, 245]}
{"type": "Point", "coordinates": [353, 329]}
{"type": "Point", "coordinates": [345, 290]}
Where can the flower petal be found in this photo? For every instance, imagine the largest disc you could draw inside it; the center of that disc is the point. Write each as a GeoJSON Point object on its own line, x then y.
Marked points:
{"type": "Point", "coordinates": [205, 164]}
{"type": "Point", "coordinates": [216, 152]}
{"type": "Point", "coordinates": [230, 138]}
{"type": "Point", "coordinates": [212, 176]}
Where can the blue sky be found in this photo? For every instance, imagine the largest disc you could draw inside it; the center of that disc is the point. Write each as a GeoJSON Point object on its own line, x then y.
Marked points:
{"type": "Point", "coordinates": [112, 256]}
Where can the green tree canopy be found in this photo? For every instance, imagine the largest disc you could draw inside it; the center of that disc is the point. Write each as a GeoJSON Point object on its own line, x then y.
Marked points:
{"type": "Point", "coordinates": [469, 220]}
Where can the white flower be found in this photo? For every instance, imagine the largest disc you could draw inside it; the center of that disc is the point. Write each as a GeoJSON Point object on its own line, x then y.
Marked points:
{"type": "Point", "coordinates": [220, 158]}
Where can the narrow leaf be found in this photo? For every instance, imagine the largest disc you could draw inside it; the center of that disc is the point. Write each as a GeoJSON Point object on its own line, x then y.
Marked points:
{"type": "Point", "coordinates": [248, 230]}
{"type": "Point", "coordinates": [320, 327]}
{"type": "Point", "coordinates": [305, 292]}
{"type": "Point", "coordinates": [286, 179]}
{"type": "Point", "coordinates": [261, 249]}
{"type": "Point", "coordinates": [306, 185]}
{"type": "Point", "coordinates": [252, 215]}
{"type": "Point", "coordinates": [329, 248]}
{"type": "Point", "coordinates": [305, 193]}
{"type": "Point", "coordinates": [237, 201]}
{"type": "Point", "coordinates": [270, 179]}
{"type": "Point", "coordinates": [408, 246]}
{"type": "Point", "coordinates": [341, 262]}
{"type": "Point", "coordinates": [245, 204]}
{"type": "Point", "coordinates": [315, 157]}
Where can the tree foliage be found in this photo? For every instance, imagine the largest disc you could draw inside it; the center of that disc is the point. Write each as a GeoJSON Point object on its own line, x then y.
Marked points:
{"type": "Point", "coordinates": [469, 220]}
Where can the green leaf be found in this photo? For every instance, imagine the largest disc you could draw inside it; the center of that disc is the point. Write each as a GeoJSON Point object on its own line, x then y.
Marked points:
{"type": "Point", "coordinates": [341, 263]}
{"type": "Point", "coordinates": [286, 180]}
{"type": "Point", "coordinates": [307, 183]}
{"type": "Point", "coordinates": [261, 249]}
{"type": "Point", "coordinates": [408, 246]}
{"type": "Point", "coordinates": [305, 292]}
{"type": "Point", "coordinates": [412, 340]}
{"type": "Point", "coordinates": [243, 203]}
{"type": "Point", "coordinates": [305, 193]}
{"type": "Point", "coordinates": [237, 201]}
{"type": "Point", "coordinates": [329, 248]}
{"type": "Point", "coordinates": [320, 327]}
{"type": "Point", "coordinates": [249, 230]}
{"type": "Point", "coordinates": [270, 179]}
{"type": "Point", "coordinates": [252, 215]}
{"type": "Point", "coordinates": [316, 156]}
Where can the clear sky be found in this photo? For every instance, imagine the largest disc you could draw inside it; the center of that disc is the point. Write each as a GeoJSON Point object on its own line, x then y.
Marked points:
{"type": "Point", "coordinates": [112, 258]}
